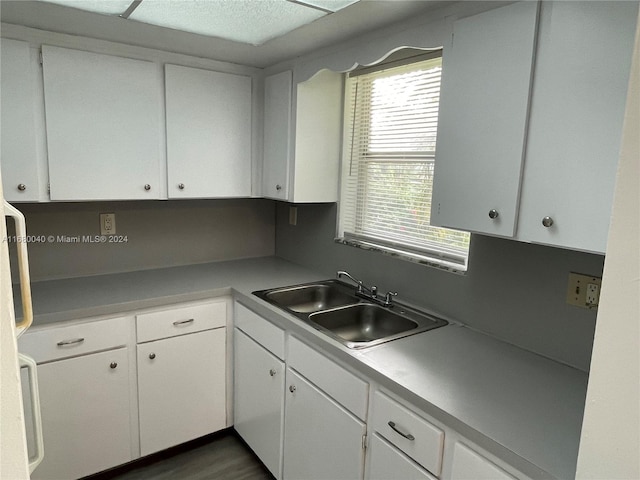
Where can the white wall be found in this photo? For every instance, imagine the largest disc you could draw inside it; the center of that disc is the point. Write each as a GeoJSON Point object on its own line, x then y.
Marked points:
{"type": "Point", "coordinates": [610, 443]}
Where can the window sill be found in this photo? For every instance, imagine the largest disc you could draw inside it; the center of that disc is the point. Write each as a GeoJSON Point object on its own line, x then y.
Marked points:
{"type": "Point", "coordinates": [407, 256]}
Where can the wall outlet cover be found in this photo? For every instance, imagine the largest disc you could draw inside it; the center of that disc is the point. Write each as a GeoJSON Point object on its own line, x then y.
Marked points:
{"type": "Point", "coordinates": [583, 290]}
{"type": "Point", "coordinates": [107, 224]}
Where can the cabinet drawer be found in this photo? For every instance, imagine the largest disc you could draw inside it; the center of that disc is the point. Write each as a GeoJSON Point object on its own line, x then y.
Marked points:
{"type": "Point", "coordinates": [426, 442]}
{"type": "Point", "coordinates": [343, 386]}
{"type": "Point", "coordinates": [181, 320]}
{"type": "Point", "coordinates": [72, 340]}
{"type": "Point", "coordinates": [260, 329]}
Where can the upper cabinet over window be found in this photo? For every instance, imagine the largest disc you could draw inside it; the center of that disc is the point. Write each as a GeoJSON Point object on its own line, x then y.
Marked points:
{"type": "Point", "coordinates": [302, 137]}
{"type": "Point", "coordinates": [18, 135]}
{"type": "Point", "coordinates": [208, 133]}
{"type": "Point", "coordinates": [103, 126]}
{"type": "Point", "coordinates": [486, 76]}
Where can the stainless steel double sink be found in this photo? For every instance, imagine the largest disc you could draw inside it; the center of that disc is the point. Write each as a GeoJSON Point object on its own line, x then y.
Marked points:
{"type": "Point", "coordinates": [333, 308]}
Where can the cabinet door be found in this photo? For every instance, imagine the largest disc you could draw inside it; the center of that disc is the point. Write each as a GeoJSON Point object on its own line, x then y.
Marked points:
{"type": "Point", "coordinates": [468, 464]}
{"type": "Point", "coordinates": [577, 110]}
{"type": "Point", "coordinates": [208, 133]}
{"type": "Point", "coordinates": [18, 129]}
{"type": "Point", "coordinates": [84, 404]}
{"type": "Point", "coordinates": [321, 439]}
{"type": "Point", "coordinates": [259, 400]}
{"type": "Point", "coordinates": [103, 126]}
{"type": "Point", "coordinates": [181, 389]}
{"type": "Point", "coordinates": [277, 135]}
{"type": "Point", "coordinates": [387, 462]}
{"type": "Point", "coordinates": [486, 78]}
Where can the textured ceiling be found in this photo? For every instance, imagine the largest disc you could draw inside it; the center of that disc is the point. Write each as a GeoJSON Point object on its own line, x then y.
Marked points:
{"type": "Point", "coordinates": [358, 19]}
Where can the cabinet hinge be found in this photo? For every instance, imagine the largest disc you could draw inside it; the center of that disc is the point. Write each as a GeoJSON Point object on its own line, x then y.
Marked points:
{"type": "Point", "coordinates": [364, 441]}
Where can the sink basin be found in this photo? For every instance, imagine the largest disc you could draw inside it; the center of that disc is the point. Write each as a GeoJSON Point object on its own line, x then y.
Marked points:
{"type": "Point", "coordinates": [312, 298]}
{"type": "Point", "coordinates": [363, 322]}
{"type": "Point", "coordinates": [333, 308]}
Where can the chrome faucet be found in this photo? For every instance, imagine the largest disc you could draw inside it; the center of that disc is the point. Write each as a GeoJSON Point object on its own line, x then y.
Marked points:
{"type": "Point", "coordinates": [362, 289]}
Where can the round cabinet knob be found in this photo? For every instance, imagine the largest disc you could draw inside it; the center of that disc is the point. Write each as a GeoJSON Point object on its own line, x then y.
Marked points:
{"type": "Point", "coordinates": [292, 388]}
{"type": "Point", "coordinates": [22, 187]}
{"type": "Point", "coordinates": [547, 222]}
{"type": "Point", "coordinates": [278, 187]}
{"type": "Point", "coordinates": [113, 365]}
{"type": "Point", "coordinates": [272, 372]}
{"type": "Point", "coordinates": [147, 187]}
{"type": "Point", "coordinates": [152, 356]}
{"type": "Point", "coordinates": [493, 214]}
{"type": "Point", "coordinates": [181, 186]}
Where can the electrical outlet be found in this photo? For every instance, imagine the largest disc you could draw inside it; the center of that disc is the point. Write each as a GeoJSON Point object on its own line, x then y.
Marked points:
{"type": "Point", "coordinates": [107, 224]}
{"type": "Point", "coordinates": [583, 290]}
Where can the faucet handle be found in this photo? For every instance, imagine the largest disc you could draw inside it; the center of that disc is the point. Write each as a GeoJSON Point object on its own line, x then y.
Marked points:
{"type": "Point", "coordinates": [388, 299]}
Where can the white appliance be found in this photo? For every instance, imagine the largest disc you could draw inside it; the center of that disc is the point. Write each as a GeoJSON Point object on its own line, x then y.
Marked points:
{"type": "Point", "coordinates": [14, 460]}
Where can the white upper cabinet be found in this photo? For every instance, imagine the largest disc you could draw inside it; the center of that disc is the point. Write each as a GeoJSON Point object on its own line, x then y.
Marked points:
{"type": "Point", "coordinates": [486, 78]}
{"type": "Point", "coordinates": [103, 126]}
{"type": "Point", "coordinates": [302, 137]}
{"type": "Point", "coordinates": [208, 133]}
{"type": "Point", "coordinates": [18, 126]}
{"type": "Point", "coordinates": [575, 128]}
{"type": "Point", "coordinates": [277, 134]}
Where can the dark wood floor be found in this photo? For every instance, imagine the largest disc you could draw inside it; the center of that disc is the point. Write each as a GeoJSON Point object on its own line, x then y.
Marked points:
{"type": "Point", "coordinates": [224, 456]}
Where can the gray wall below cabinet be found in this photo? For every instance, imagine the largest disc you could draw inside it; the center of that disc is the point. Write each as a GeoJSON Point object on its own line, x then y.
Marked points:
{"type": "Point", "coordinates": [159, 234]}
{"type": "Point", "coordinates": [512, 290]}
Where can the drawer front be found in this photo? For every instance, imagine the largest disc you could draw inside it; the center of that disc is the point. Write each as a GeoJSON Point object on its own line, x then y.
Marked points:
{"type": "Point", "coordinates": [78, 339]}
{"type": "Point", "coordinates": [260, 329]}
{"type": "Point", "coordinates": [394, 422]}
{"type": "Point", "coordinates": [347, 389]}
{"type": "Point", "coordinates": [181, 320]}
{"type": "Point", "coordinates": [387, 462]}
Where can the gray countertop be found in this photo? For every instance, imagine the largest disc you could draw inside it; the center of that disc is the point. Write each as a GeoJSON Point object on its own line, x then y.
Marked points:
{"type": "Point", "coordinates": [518, 405]}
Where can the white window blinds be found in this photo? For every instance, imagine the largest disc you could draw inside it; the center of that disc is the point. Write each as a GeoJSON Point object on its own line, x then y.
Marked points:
{"type": "Point", "coordinates": [391, 123]}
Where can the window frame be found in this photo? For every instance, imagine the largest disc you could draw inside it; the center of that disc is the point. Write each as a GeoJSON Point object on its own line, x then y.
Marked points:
{"type": "Point", "coordinates": [427, 253]}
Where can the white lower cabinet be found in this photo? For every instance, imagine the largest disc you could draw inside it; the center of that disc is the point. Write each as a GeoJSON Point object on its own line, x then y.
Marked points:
{"type": "Point", "coordinates": [387, 462]}
{"type": "Point", "coordinates": [181, 388]}
{"type": "Point", "coordinates": [84, 403]}
{"type": "Point", "coordinates": [470, 465]}
{"type": "Point", "coordinates": [85, 385]}
{"type": "Point", "coordinates": [322, 440]}
{"type": "Point", "coordinates": [259, 400]}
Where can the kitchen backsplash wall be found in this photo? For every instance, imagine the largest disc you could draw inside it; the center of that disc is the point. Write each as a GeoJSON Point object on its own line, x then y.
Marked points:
{"type": "Point", "coordinates": [512, 290]}
{"type": "Point", "coordinates": [158, 233]}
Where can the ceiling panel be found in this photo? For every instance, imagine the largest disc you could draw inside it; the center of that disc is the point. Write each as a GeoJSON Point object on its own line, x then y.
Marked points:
{"type": "Point", "coordinates": [246, 21]}
{"type": "Point", "coordinates": [108, 7]}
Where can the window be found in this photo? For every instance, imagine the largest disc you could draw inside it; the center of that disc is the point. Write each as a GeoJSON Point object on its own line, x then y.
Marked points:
{"type": "Point", "coordinates": [391, 121]}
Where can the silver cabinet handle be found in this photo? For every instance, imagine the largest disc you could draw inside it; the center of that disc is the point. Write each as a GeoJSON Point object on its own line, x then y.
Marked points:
{"type": "Point", "coordinates": [113, 364]}
{"type": "Point", "coordinates": [493, 214]}
{"type": "Point", "coordinates": [152, 356]}
{"type": "Point", "coordinates": [75, 341]}
{"type": "Point", "coordinates": [183, 322]}
{"type": "Point", "coordinates": [272, 372]}
{"type": "Point", "coordinates": [22, 187]}
{"type": "Point", "coordinates": [547, 222]}
{"type": "Point", "coordinates": [292, 388]}
{"type": "Point", "coordinates": [408, 436]}
{"type": "Point", "coordinates": [181, 186]}
{"type": "Point", "coordinates": [147, 187]}
{"type": "Point", "coordinates": [278, 187]}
